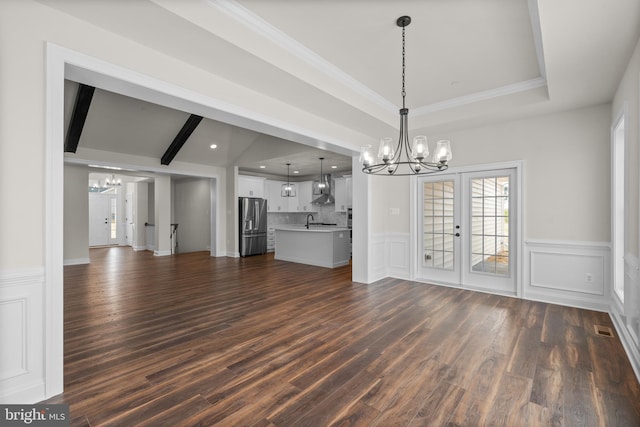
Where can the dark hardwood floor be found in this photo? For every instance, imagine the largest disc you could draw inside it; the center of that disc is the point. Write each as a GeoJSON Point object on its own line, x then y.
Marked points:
{"type": "Point", "coordinates": [193, 340]}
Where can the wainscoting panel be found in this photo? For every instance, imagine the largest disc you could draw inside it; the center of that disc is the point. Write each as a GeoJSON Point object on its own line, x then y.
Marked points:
{"type": "Point", "coordinates": [21, 335]}
{"type": "Point", "coordinates": [377, 261]}
{"type": "Point", "coordinates": [569, 273]}
{"type": "Point", "coordinates": [627, 322]}
{"type": "Point", "coordinates": [397, 253]}
{"type": "Point", "coordinates": [632, 297]}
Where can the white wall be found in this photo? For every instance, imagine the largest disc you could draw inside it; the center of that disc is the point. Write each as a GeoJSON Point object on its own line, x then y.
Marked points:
{"type": "Point", "coordinates": [566, 157]}
{"type": "Point", "coordinates": [76, 214]}
{"type": "Point", "coordinates": [192, 214]}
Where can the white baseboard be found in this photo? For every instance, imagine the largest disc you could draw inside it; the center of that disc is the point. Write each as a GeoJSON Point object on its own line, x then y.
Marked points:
{"type": "Point", "coordinates": [76, 261]}
{"type": "Point", "coordinates": [161, 253]}
{"type": "Point", "coordinates": [140, 248]}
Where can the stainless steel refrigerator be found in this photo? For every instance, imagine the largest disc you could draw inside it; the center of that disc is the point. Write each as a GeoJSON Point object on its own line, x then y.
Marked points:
{"type": "Point", "coordinates": [253, 226]}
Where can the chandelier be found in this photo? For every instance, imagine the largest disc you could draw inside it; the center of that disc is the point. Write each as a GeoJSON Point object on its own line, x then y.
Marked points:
{"type": "Point", "coordinates": [113, 182]}
{"type": "Point", "coordinates": [404, 158]}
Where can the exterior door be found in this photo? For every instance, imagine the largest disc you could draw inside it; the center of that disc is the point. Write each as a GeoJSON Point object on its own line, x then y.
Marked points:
{"type": "Point", "coordinates": [489, 221]}
{"type": "Point", "coordinates": [466, 230]}
{"type": "Point", "coordinates": [439, 247]}
{"type": "Point", "coordinates": [103, 226]}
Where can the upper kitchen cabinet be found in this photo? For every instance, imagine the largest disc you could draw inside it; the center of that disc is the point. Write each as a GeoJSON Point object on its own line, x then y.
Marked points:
{"type": "Point", "coordinates": [251, 186]}
{"type": "Point", "coordinates": [305, 196]}
{"type": "Point", "coordinates": [343, 193]}
{"type": "Point", "coordinates": [300, 203]}
{"type": "Point", "coordinates": [275, 201]}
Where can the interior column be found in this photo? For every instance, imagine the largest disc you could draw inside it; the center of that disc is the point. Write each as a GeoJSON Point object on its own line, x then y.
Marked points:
{"type": "Point", "coordinates": [163, 215]}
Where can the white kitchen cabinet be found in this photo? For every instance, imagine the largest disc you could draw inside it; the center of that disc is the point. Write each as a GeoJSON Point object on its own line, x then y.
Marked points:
{"type": "Point", "coordinates": [305, 196]}
{"type": "Point", "coordinates": [271, 239]}
{"type": "Point", "coordinates": [343, 193]}
{"type": "Point", "coordinates": [275, 201]}
{"type": "Point", "coordinates": [250, 186]}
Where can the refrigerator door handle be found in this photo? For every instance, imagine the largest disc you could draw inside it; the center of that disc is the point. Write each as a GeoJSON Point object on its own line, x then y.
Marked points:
{"type": "Point", "coordinates": [256, 213]}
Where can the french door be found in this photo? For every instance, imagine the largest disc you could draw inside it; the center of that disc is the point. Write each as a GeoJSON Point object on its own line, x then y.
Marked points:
{"type": "Point", "coordinates": [467, 230]}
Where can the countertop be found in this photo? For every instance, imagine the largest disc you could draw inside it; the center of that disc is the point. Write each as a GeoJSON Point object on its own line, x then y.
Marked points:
{"type": "Point", "coordinates": [312, 228]}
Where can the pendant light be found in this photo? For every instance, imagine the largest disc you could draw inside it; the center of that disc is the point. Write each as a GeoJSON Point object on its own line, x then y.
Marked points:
{"type": "Point", "coordinates": [288, 189]}
{"type": "Point", "coordinates": [321, 186]}
{"type": "Point", "coordinates": [405, 158]}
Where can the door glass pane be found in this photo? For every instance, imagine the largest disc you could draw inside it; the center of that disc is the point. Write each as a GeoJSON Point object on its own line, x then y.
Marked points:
{"type": "Point", "coordinates": [438, 224]}
{"type": "Point", "coordinates": [113, 219]}
{"type": "Point", "coordinates": [490, 225]}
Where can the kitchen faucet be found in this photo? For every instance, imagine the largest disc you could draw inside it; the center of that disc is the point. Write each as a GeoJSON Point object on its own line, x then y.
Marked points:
{"type": "Point", "coordinates": [309, 215]}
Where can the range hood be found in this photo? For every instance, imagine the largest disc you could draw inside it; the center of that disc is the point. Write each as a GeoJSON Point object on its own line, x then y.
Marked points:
{"type": "Point", "coordinates": [325, 194]}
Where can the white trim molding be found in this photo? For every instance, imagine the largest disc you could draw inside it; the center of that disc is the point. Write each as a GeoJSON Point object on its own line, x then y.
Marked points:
{"type": "Point", "coordinates": [22, 335]}
{"type": "Point", "coordinates": [575, 274]}
{"type": "Point", "coordinates": [390, 256]}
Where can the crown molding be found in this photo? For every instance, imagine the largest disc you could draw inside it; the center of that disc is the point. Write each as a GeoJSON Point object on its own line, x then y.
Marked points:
{"type": "Point", "coordinates": [480, 96]}
{"type": "Point", "coordinates": [255, 23]}
{"type": "Point", "coordinates": [258, 25]}
{"type": "Point", "coordinates": [536, 31]}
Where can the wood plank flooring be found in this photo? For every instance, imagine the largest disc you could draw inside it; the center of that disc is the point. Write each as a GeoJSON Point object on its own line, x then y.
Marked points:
{"type": "Point", "coordinates": [191, 340]}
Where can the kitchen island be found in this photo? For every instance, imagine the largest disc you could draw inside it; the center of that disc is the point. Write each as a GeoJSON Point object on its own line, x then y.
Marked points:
{"type": "Point", "coordinates": [321, 246]}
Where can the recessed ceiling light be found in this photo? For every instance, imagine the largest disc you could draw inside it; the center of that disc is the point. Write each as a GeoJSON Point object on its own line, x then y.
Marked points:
{"type": "Point", "coordinates": [262, 167]}
{"type": "Point", "coordinates": [296, 171]}
{"type": "Point", "coordinates": [334, 167]}
{"type": "Point", "coordinates": [213, 146]}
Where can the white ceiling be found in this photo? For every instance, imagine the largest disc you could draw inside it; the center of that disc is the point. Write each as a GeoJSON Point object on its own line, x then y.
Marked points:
{"type": "Point", "coordinates": [469, 62]}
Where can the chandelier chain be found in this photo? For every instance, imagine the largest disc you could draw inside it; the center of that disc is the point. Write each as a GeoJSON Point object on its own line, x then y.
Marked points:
{"type": "Point", "coordinates": [404, 93]}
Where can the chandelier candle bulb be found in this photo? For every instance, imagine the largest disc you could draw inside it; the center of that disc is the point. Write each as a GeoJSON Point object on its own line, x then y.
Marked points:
{"type": "Point", "coordinates": [442, 153]}
{"type": "Point", "coordinates": [365, 155]}
{"type": "Point", "coordinates": [386, 149]}
{"type": "Point", "coordinates": [420, 148]}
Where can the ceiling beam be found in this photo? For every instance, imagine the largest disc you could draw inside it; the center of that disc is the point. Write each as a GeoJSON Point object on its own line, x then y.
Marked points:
{"type": "Point", "coordinates": [78, 117]}
{"type": "Point", "coordinates": [189, 126]}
